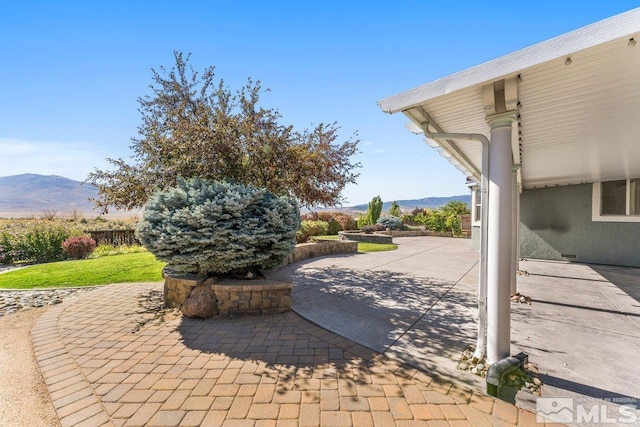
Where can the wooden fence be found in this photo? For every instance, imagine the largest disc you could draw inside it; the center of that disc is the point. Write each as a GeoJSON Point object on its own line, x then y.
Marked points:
{"type": "Point", "coordinates": [114, 237]}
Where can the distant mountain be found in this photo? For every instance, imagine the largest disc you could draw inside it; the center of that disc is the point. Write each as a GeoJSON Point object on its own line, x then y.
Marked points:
{"type": "Point", "coordinates": [30, 194]}
{"type": "Point", "coordinates": [36, 194]}
{"type": "Point", "coordinates": [407, 205]}
{"type": "Point", "coordinates": [427, 203]}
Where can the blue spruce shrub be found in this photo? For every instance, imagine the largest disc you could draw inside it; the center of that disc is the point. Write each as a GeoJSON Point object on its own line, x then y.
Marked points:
{"type": "Point", "coordinates": [214, 228]}
{"type": "Point", "coordinates": [391, 222]}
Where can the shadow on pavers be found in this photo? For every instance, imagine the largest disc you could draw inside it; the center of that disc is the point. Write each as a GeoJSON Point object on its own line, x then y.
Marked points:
{"type": "Point", "coordinates": [418, 322]}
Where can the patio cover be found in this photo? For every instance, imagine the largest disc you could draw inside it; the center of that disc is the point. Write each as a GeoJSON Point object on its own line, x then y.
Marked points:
{"type": "Point", "coordinates": [577, 101]}
{"type": "Point", "coordinates": [564, 111]}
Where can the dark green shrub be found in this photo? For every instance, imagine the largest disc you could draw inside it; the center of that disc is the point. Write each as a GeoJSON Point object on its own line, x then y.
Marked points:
{"type": "Point", "coordinates": [210, 228]}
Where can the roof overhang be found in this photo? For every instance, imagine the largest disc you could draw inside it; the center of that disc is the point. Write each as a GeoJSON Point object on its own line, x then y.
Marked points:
{"type": "Point", "coordinates": [577, 106]}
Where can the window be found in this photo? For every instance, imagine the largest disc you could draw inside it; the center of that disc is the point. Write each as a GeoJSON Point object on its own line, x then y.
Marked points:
{"type": "Point", "coordinates": [634, 197]}
{"type": "Point", "coordinates": [476, 205]}
{"type": "Point", "coordinates": [613, 196]}
{"type": "Point", "coordinates": [617, 200]}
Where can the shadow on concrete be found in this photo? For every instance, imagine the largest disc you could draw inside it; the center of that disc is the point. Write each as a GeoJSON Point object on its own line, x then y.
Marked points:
{"type": "Point", "coordinates": [556, 276]}
{"type": "Point", "coordinates": [625, 278]}
{"type": "Point", "coordinates": [422, 321]}
{"type": "Point", "coordinates": [376, 308]}
{"type": "Point", "coordinates": [587, 390]}
{"type": "Point", "coordinates": [584, 307]}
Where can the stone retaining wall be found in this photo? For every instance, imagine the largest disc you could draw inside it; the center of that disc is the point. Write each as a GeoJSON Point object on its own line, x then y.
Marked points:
{"type": "Point", "coordinates": [321, 248]}
{"type": "Point", "coordinates": [366, 237]}
{"type": "Point", "coordinates": [417, 233]}
{"type": "Point", "coordinates": [240, 297]}
{"type": "Point", "coordinates": [198, 296]}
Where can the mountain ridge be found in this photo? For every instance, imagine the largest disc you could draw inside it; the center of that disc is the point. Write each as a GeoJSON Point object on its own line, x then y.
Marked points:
{"type": "Point", "coordinates": [33, 193]}
{"type": "Point", "coordinates": [425, 203]}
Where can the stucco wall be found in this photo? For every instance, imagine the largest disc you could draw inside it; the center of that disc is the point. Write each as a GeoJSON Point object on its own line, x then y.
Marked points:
{"type": "Point", "coordinates": [556, 221]}
{"type": "Point", "coordinates": [475, 238]}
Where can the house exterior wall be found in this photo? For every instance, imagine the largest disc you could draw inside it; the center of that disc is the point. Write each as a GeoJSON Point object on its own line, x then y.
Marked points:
{"type": "Point", "coordinates": [475, 237]}
{"type": "Point", "coordinates": [556, 222]}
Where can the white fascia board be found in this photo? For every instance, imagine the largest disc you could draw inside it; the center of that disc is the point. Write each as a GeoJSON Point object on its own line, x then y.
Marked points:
{"type": "Point", "coordinates": [622, 25]}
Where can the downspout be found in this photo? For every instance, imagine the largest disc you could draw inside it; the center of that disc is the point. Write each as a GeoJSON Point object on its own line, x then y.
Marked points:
{"type": "Point", "coordinates": [481, 343]}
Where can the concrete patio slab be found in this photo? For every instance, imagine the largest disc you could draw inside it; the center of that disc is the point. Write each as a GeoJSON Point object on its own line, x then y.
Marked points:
{"type": "Point", "coordinates": [581, 329]}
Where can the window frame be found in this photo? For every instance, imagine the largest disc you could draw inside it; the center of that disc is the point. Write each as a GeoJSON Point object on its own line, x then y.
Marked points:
{"type": "Point", "coordinates": [476, 206]}
{"type": "Point", "coordinates": [596, 205]}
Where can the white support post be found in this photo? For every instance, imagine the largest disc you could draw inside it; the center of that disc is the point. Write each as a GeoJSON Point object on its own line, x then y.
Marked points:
{"type": "Point", "coordinates": [499, 254]}
{"type": "Point", "coordinates": [515, 242]}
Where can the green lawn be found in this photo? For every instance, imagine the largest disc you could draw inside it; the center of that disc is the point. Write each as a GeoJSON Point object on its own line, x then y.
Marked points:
{"type": "Point", "coordinates": [123, 268]}
{"type": "Point", "coordinates": [376, 247]}
{"type": "Point", "coordinates": [365, 247]}
{"type": "Point", "coordinates": [133, 267]}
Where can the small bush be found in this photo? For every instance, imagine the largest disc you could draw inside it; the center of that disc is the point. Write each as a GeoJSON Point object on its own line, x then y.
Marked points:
{"type": "Point", "coordinates": [337, 221]}
{"type": "Point", "coordinates": [346, 221]}
{"type": "Point", "coordinates": [208, 227]}
{"type": "Point", "coordinates": [391, 222]}
{"type": "Point", "coordinates": [79, 247]}
{"type": "Point", "coordinates": [372, 228]}
{"type": "Point", "coordinates": [311, 228]}
{"type": "Point", "coordinates": [43, 243]}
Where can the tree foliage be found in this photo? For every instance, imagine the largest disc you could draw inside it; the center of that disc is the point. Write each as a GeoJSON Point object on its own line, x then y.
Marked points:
{"type": "Point", "coordinates": [394, 209]}
{"type": "Point", "coordinates": [195, 126]}
{"type": "Point", "coordinates": [456, 207]}
{"type": "Point", "coordinates": [375, 209]}
{"type": "Point", "coordinates": [446, 218]}
{"type": "Point", "coordinates": [216, 227]}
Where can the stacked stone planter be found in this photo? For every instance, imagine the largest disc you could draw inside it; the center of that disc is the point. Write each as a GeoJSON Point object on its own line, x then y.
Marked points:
{"type": "Point", "coordinates": [198, 296]}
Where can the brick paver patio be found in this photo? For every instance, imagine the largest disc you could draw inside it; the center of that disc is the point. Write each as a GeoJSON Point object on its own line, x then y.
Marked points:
{"type": "Point", "coordinates": [113, 357]}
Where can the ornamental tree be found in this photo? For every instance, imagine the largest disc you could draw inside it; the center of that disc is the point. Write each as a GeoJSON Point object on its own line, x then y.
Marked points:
{"type": "Point", "coordinates": [195, 126]}
{"type": "Point", "coordinates": [394, 209]}
{"type": "Point", "coordinates": [211, 228]}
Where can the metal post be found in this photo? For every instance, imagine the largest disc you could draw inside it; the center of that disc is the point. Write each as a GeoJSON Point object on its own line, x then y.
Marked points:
{"type": "Point", "coordinates": [515, 241]}
{"type": "Point", "coordinates": [499, 243]}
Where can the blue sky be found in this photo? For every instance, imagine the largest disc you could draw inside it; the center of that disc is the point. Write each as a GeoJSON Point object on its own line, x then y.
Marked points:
{"type": "Point", "coordinates": [72, 71]}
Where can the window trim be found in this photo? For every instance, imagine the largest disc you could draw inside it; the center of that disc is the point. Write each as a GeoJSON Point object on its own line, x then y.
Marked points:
{"type": "Point", "coordinates": [596, 216]}
{"type": "Point", "coordinates": [476, 206]}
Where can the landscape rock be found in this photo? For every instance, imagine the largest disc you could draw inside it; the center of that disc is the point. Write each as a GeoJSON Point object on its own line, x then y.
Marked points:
{"type": "Point", "coordinates": [201, 302]}
{"type": "Point", "coordinates": [15, 300]}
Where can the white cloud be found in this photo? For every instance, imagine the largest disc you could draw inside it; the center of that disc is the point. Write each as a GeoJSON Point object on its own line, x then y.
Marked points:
{"type": "Point", "coordinates": [69, 159]}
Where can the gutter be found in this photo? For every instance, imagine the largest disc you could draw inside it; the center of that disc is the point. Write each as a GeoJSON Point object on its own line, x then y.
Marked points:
{"type": "Point", "coordinates": [481, 343]}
